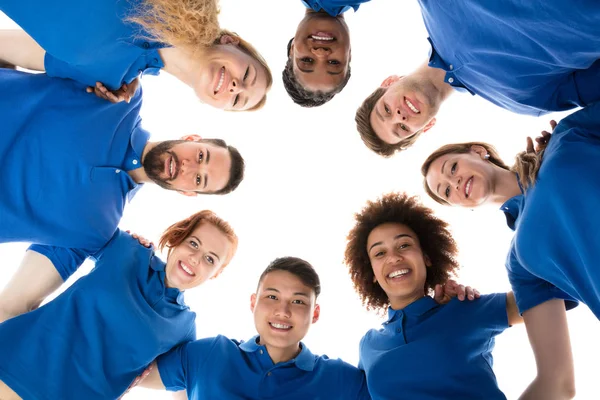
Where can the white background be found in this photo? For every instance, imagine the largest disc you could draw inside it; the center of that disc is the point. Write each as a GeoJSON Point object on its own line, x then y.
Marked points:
{"type": "Point", "coordinates": [308, 172]}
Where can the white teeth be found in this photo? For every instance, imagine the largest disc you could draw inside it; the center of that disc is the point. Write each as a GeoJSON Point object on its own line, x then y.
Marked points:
{"type": "Point", "coordinates": [220, 80]}
{"type": "Point", "coordinates": [411, 106]}
{"type": "Point", "coordinates": [280, 326]}
{"type": "Point", "coordinates": [171, 168]}
{"type": "Point", "coordinates": [186, 269]}
{"type": "Point", "coordinates": [398, 273]}
{"type": "Point", "coordinates": [468, 187]}
{"type": "Point", "coordinates": [315, 37]}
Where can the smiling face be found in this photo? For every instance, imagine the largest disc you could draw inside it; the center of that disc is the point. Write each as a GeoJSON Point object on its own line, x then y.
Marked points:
{"type": "Point", "coordinates": [284, 308]}
{"type": "Point", "coordinates": [189, 165]}
{"type": "Point", "coordinates": [398, 263]}
{"type": "Point", "coordinates": [320, 51]}
{"type": "Point", "coordinates": [199, 257]}
{"type": "Point", "coordinates": [465, 180]}
{"type": "Point", "coordinates": [230, 78]}
{"type": "Point", "coordinates": [409, 105]}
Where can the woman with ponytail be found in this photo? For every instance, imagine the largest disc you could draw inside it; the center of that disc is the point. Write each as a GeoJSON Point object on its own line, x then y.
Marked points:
{"type": "Point", "coordinates": [109, 44]}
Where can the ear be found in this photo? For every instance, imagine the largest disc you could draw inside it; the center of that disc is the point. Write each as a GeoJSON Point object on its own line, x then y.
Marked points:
{"type": "Point", "coordinates": [428, 262]}
{"type": "Point", "coordinates": [252, 302]}
{"type": "Point", "coordinates": [192, 138]}
{"type": "Point", "coordinates": [480, 150]}
{"type": "Point", "coordinates": [316, 313]}
{"type": "Point", "coordinates": [374, 279]}
{"type": "Point", "coordinates": [291, 49]}
{"type": "Point", "coordinates": [429, 125]}
{"type": "Point", "coordinates": [390, 80]}
{"type": "Point", "coordinates": [188, 194]}
{"type": "Point", "coordinates": [228, 39]}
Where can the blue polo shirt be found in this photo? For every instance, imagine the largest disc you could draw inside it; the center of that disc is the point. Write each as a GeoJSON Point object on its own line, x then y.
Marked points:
{"type": "Point", "coordinates": [95, 338]}
{"type": "Point", "coordinates": [88, 41]}
{"type": "Point", "coordinates": [527, 56]}
{"type": "Point", "coordinates": [64, 156]}
{"type": "Point", "coordinates": [333, 7]}
{"type": "Point", "coordinates": [222, 368]}
{"type": "Point", "coordinates": [556, 247]}
{"type": "Point", "coordinates": [429, 351]}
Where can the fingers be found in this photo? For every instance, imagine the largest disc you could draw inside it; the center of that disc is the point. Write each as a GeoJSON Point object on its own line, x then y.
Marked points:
{"type": "Point", "coordinates": [477, 294]}
{"type": "Point", "coordinates": [460, 292]}
{"type": "Point", "coordinates": [470, 292]}
{"type": "Point", "coordinates": [143, 241]}
{"type": "Point", "coordinates": [553, 124]}
{"type": "Point", "coordinates": [438, 293]}
{"type": "Point", "coordinates": [529, 148]}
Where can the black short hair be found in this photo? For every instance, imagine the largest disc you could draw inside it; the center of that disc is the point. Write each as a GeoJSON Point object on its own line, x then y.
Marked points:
{"type": "Point", "coordinates": [299, 94]}
{"type": "Point", "coordinates": [236, 173]}
{"type": "Point", "coordinates": [298, 267]}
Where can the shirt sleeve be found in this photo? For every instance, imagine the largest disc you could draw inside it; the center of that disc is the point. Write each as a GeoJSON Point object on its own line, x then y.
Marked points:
{"type": "Point", "coordinates": [356, 384]}
{"type": "Point", "coordinates": [65, 260]}
{"type": "Point", "coordinates": [183, 363]}
{"type": "Point", "coordinates": [578, 89]}
{"type": "Point", "coordinates": [59, 69]}
{"type": "Point", "coordinates": [488, 311]}
{"type": "Point", "coordinates": [531, 291]}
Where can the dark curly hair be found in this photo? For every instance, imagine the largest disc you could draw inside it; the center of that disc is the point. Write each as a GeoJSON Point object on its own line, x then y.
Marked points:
{"type": "Point", "coordinates": [301, 95]}
{"type": "Point", "coordinates": [433, 234]}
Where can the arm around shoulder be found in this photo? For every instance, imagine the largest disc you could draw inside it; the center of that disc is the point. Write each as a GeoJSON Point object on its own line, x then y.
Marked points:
{"type": "Point", "coordinates": [19, 49]}
{"type": "Point", "coordinates": [549, 337]}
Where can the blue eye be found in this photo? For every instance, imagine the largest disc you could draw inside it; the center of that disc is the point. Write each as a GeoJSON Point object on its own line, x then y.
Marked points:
{"type": "Point", "coordinates": [453, 169]}
{"type": "Point", "coordinates": [447, 192]}
{"type": "Point", "coordinates": [210, 260]}
{"type": "Point", "coordinates": [193, 244]}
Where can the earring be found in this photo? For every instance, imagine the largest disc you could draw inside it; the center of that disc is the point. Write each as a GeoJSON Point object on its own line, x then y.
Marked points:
{"type": "Point", "coordinates": [487, 156]}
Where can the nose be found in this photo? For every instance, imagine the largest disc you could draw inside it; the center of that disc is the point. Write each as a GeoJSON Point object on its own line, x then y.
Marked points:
{"type": "Point", "coordinates": [457, 182]}
{"type": "Point", "coordinates": [234, 86]}
{"type": "Point", "coordinates": [320, 51]}
{"type": "Point", "coordinates": [283, 310]}
{"type": "Point", "coordinates": [400, 115]}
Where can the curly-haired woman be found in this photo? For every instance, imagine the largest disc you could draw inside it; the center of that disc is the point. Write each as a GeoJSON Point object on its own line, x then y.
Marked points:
{"type": "Point", "coordinates": [94, 339]}
{"type": "Point", "coordinates": [108, 44]}
{"type": "Point", "coordinates": [397, 252]}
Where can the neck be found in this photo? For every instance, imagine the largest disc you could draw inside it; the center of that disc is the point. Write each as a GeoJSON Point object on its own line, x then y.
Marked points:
{"type": "Point", "coordinates": [435, 77]}
{"type": "Point", "coordinates": [400, 302]}
{"type": "Point", "coordinates": [505, 187]}
{"type": "Point", "coordinates": [139, 174]}
{"type": "Point", "coordinates": [180, 63]}
{"type": "Point", "coordinates": [279, 355]}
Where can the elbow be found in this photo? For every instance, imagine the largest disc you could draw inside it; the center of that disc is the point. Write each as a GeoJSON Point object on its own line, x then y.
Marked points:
{"type": "Point", "coordinates": [568, 389]}
{"type": "Point", "coordinates": [565, 387]}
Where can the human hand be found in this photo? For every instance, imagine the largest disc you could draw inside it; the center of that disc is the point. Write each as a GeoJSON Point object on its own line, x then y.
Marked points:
{"type": "Point", "coordinates": [541, 141]}
{"type": "Point", "coordinates": [444, 293]}
{"type": "Point", "coordinates": [124, 93]}
{"type": "Point", "coordinates": [143, 241]}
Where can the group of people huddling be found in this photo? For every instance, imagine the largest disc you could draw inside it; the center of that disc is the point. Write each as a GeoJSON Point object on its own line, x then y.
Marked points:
{"type": "Point", "coordinates": [73, 153]}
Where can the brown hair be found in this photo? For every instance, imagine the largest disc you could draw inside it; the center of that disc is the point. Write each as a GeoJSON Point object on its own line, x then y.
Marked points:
{"type": "Point", "coordinates": [526, 164]}
{"type": "Point", "coordinates": [368, 134]}
{"type": "Point", "coordinates": [188, 23]}
{"type": "Point", "coordinates": [174, 235]}
{"type": "Point", "coordinates": [434, 237]}
{"type": "Point", "coordinates": [247, 48]}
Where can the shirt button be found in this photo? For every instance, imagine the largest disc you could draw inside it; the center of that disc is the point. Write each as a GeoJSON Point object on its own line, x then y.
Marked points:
{"type": "Point", "coordinates": [451, 67]}
{"type": "Point", "coordinates": [146, 45]}
{"type": "Point", "coordinates": [117, 171]}
{"type": "Point", "coordinates": [450, 80]}
{"type": "Point", "coordinates": [155, 60]}
{"type": "Point", "coordinates": [260, 351]}
{"type": "Point", "coordinates": [398, 330]}
{"type": "Point", "coordinates": [135, 162]}
{"type": "Point", "coordinates": [268, 373]}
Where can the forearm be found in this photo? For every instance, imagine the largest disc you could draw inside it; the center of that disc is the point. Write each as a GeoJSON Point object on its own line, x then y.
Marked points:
{"type": "Point", "coordinates": [539, 389]}
{"type": "Point", "coordinates": [19, 49]}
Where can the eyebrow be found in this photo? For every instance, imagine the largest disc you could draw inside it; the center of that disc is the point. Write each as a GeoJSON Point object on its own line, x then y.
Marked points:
{"type": "Point", "coordinates": [255, 76]}
{"type": "Point", "coordinates": [207, 156]}
{"type": "Point", "coordinates": [395, 238]}
{"type": "Point", "coordinates": [438, 186]}
{"type": "Point", "coordinates": [295, 294]}
{"type": "Point", "coordinates": [205, 180]}
{"type": "Point", "coordinates": [210, 252]}
{"type": "Point", "coordinates": [378, 113]}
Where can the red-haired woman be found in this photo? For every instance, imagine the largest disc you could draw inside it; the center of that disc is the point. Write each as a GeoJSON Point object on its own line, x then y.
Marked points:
{"type": "Point", "coordinates": [93, 340]}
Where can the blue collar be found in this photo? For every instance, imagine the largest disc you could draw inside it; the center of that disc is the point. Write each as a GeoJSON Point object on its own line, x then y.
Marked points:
{"type": "Point", "coordinates": [415, 309]}
{"type": "Point", "coordinates": [304, 361]}
{"type": "Point", "coordinates": [172, 294]}
{"type": "Point", "coordinates": [513, 206]}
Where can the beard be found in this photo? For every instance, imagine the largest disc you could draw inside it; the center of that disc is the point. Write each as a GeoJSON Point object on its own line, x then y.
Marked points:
{"type": "Point", "coordinates": [154, 162]}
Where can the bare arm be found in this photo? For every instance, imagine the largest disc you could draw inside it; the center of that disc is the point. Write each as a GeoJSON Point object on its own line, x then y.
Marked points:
{"type": "Point", "coordinates": [549, 337]}
{"type": "Point", "coordinates": [512, 310]}
{"type": "Point", "coordinates": [19, 49]}
{"type": "Point", "coordinates": [35, 280]}
{"type": "Point", "coordinates": [153, 381]}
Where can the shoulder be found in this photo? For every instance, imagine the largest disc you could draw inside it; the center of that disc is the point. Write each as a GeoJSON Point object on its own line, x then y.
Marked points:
{"type": "Point", "coordinates": [336, 365]}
